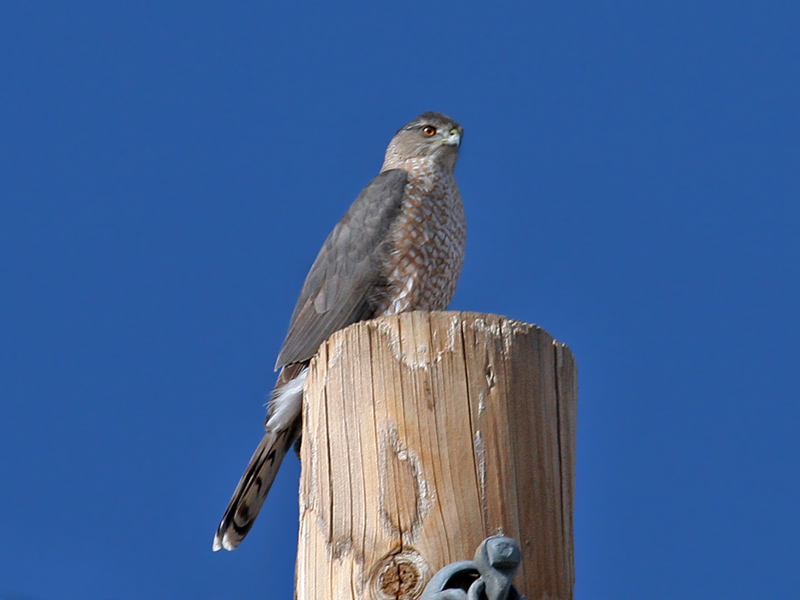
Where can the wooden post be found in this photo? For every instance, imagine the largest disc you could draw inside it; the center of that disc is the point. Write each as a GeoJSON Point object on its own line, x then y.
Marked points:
{"type": "Point", "coordinates": [425, 433]}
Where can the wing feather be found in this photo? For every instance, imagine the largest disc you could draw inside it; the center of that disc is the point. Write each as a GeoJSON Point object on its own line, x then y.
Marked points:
{"type": "Point", "coordinates": [346, 272]}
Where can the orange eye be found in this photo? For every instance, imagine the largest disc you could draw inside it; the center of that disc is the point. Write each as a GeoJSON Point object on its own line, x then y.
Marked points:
{"type": "Point", "coordinates": [429, 130]}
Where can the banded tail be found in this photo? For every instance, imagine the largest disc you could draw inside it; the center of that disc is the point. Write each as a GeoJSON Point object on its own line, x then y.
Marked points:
{"type": "Point", "coordinates": [283, 428]}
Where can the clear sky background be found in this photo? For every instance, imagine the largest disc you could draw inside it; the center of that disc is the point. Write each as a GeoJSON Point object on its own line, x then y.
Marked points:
{"type": "Point", "coordinates": [168, 171]}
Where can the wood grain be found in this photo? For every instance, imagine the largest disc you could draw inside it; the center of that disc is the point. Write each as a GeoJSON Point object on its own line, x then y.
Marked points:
{"type": "Point", "coordinates": [423, 434]}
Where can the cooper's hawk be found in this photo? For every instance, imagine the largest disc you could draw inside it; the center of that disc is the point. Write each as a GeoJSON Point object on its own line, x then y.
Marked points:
{"type": "Point", "coordinates": [399, 247]}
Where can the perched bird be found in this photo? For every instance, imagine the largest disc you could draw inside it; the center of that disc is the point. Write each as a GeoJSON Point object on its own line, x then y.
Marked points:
{"type": "Point", "coordinates": [398, 248]}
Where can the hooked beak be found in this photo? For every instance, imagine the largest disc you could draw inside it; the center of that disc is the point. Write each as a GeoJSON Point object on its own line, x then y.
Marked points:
{"type": "Point", "coordinates": [454, 139]}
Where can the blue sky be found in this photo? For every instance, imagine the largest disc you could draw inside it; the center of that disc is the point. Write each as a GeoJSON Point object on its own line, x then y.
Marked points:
{"type": "Point", "coordinates": [168, 171]}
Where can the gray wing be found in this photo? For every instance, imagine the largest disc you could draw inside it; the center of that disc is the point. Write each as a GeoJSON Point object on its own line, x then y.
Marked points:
{"type": "Point", "coordinates": [345, 273]}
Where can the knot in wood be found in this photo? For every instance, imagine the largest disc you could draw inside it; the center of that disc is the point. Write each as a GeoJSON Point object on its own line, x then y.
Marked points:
{"type": "Point", "coordinates": [400, 576]}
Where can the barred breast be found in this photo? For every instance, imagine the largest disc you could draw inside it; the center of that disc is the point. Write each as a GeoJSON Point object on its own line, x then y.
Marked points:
{"type": "Point", "coordinates": [427, 242]}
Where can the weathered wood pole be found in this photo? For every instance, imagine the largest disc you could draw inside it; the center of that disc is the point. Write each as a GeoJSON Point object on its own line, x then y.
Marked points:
{"type": "Point", "coordinates": [422, 435]}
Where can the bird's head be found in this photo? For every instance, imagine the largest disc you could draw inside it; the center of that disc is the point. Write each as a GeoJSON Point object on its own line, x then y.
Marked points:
{"type": "Point", "coordinates": [431, 135]}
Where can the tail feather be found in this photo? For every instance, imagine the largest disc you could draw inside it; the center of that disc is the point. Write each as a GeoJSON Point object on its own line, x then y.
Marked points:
{"type": "Point", "coordinates": [283, 429]}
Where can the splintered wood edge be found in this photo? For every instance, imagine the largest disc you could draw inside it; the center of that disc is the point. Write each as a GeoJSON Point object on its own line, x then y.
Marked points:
{"type": "Point", "coordinates": [490, 323]}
